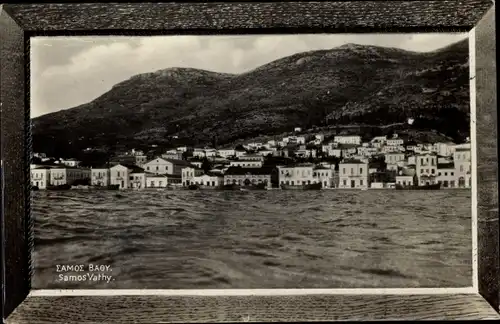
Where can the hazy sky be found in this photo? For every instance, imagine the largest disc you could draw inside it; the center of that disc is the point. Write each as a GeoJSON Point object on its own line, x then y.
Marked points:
{"type": "Point", "coordinates": [69, 71]}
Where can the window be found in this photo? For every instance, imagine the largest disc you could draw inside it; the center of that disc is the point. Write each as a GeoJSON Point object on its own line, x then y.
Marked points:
{"type": "Point", "coordinates": [422, 161]}
{"type": "Point", "coordinates": [421, 170]}
{"type": "Point", "coordinates": [160, 183]}
{"type": "Point", "coordinates": [360, 182]}
{"type": "Point", "coordinates": [152, 183]}
{"type": "Point", "coordinates": [343, 170]}
{"type": "Point", "coordinates": [147, 168]}
{"type": "Point", "coordinates": [292, 183]}
{"type": "Point", "coordinates": [118, 173]}
{"type": "Point", "coordinates": [157, 168]}
{"type": "Point", "coordinates": [352, 171]}
{"type": "Point", "coordinates": [461, 168]}
{"type": "Point", "coordinates": [439, 173]}
{"type": "Point", "coordinates": [452, 173]}
{"type": "Point", "coordinates": [345, 182]}
{"type": "Point", "coordinates": [433, 171]}
{"type": "Point", "coordinates": [360, 170]}
{"type": "Point", "coordinates": [446, 173]}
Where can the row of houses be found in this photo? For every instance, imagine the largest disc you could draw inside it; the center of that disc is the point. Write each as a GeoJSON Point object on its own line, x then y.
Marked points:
{"type": "Point", "coordinates": [397, 168]}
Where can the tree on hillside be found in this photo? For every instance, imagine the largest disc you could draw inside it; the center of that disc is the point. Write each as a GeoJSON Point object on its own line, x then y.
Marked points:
{"type": "Point", "coordinates": [206, 165]}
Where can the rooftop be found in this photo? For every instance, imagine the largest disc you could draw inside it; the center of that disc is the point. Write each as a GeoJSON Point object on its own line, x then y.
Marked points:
{"type": "Point", "coordinates": [446, 165]}
{"type": "Point", "coordinates": [251, 171]}
{"type": "Point", "coordinates": [352, 161]}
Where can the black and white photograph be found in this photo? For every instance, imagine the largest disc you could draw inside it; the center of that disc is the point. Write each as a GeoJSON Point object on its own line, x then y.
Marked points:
{"type": "Point", "coordinates": [252, 161]}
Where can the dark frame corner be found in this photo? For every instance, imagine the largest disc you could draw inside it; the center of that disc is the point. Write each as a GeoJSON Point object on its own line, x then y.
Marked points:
{"type": "Point", "coordinates": [18, 22]}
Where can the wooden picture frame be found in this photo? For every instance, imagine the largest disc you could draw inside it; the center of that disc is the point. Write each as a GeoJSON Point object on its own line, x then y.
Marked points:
{"type": "Point", "coordinates": [19, 22]}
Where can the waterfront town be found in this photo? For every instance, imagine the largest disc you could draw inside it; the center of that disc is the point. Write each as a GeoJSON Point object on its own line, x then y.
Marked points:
{"type": "Point", "coordinates": [296, 161]}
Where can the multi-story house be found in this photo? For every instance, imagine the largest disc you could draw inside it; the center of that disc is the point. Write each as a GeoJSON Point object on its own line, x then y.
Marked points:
{"type": "Point", "coordinates": [252, 157]}
{"type": "Point", "coordinates": [40, 177]}
{"type": "Point", "coordinates": [244, 163]}
{"type": "Point", "coordinates": [325, 176]}
{"type": "Point", "coordinates": [165, 166]}
{"type": "Point", "coordinates": [67, 175]}
{"type": "Point", "coordinates": [395, 141]}
{"type": "Point", "coordinates": [394, 157]}
{"type": "Point", "coordinates": [295, 140]}
{"type": "Point", "coordinates": [426, 168]}
{"type": "Point", "coordinates": [188, 174]}
{"type": "Point", "coordinates": [70, 162]}
{"type": "Point", "coordinates": [226, 153]}
{"type": "Point", "coordinates": [137, 179]}
{"type": "Point", "coordinates": [446, 175]}
{"type": "Point", "coordinates": [350, 139]}
{"type": "Point", "coordinates": [100, 177]}
{"type": "Point", "coordinates": [353, 174]}
{"type": "Point", "coordinates": [444, 149]}
{"type": "Point", "coordinates": [210, 153]}
{"type": "Point", "coordinates": [462, 161]}
{"type": "Point", "coordinates": [300, 174]}
{"type": "Point", "coordinates": [120, 175]}
{"type": "Point", "coordinates": [172, 154]}
{"type": "Point", "coordinates": [367, 151]}
{"type": "Point", "coordinates": [248, 176]}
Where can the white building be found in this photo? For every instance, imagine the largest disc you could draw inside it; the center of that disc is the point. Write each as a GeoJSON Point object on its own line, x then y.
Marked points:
{"type": "Point", "coordinates": [462, 160]}
{"type": "Point", "coordinates": [444, 149]}
{"type": "Point", "coordinates": [225, 153]}
{"type": "Point", "coordinates": [156, 181]}
{"type": "Point", "coordinates": [351, 139]}
{"type": "Point", "coordinates": [137, 179]}
{"type": "Point", "coordinates": [353, 174]}
{"type": "Point", "coordinates": [325, 176]}
{"type": "Point", "coordinates": [446, 175]}
{"type": "Point", "coordinates": [246, 163]}
{"type": "Point", "coordinates": [394, 157]}
{"type": "Point", "coordinates": [67, 175]}
{"type": "Point", "coordinates": [40, 177]}
{"type": "Point", "coordinates": [188, 174]}
{"type": "Point", "coordinates": [367, 151]}
{"type": "Point", "coordinates": [120, 175]}
{"type": "Point", "coordinates": [165, 166]}
{"type": "Point", "coordinates": [161, 180]}
{"type": "Point", "coordinates": [426, 168]}
{"type": "Point", "coordinates": [100, 177]}
{"type": "Point", "coordinates": [70, 162]}
{"type": "Point", "coordinates": [395, 141]}
{"type": "Point", "coordinates": [296, 175]}
{"type": "Point", "coordinates": [206, 180]}
{"type": "Point", "coordinates": [294, 140]}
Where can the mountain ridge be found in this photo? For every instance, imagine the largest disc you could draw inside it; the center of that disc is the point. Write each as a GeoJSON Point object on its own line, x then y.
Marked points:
{"type": "Point", "coordinates": [350, 84]}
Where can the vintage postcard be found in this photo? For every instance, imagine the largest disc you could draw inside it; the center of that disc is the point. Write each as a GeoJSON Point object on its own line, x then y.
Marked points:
{"type": "Point", "coordinates": [252, 161]}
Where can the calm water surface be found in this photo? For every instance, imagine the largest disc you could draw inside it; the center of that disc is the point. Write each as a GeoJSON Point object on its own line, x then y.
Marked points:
{"type": "Point", "coordinates": [268, 239]}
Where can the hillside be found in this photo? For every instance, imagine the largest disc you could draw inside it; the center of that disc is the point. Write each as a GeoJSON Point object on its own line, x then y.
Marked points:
{"type": "Point", "coordinates": [351, 84]}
